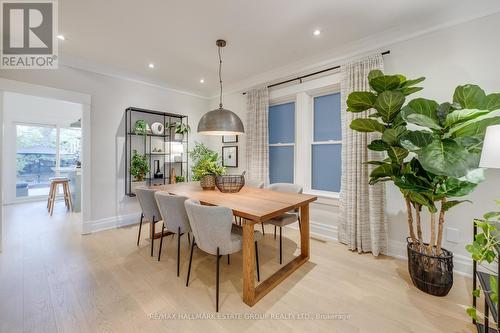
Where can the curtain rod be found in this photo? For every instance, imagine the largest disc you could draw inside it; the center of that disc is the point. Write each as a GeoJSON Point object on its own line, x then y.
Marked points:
{"type": "Point", "coordinates": [311, 74]}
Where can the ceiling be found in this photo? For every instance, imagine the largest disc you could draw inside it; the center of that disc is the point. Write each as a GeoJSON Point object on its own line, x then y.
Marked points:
{"type": "Point", "coordinates": [178, 36]}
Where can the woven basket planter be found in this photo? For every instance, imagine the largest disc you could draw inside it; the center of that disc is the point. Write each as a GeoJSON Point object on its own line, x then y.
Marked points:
{"type": "Point", "coordinates": [208, 182]}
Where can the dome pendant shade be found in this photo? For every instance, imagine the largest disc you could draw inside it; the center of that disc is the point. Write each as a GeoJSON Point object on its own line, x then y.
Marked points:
{"type": "Point", "coordinates": [220, 122]}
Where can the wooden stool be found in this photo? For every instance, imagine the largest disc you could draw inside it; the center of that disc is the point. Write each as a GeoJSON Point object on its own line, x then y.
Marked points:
{"type": "Point", "coordinates": [54, 183]}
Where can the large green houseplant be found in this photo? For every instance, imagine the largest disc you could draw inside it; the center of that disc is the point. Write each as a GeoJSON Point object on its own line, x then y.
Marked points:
{"type": "Point", "coordinates": [432, 154]}
{"type": "Point", "coordinates": [206, 165]}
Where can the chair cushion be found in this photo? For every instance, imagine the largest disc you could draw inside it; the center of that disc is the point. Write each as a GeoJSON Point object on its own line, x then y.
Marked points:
{"type": "Point", "coordinates": [283, 220]}
{"type": "Point", "coordinates": [237, 230]}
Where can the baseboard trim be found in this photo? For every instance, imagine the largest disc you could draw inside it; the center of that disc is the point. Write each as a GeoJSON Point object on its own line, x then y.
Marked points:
{"type": "Point", "coordinates": [110, 223]}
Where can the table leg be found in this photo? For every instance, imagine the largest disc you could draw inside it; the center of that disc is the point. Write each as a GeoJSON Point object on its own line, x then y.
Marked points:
{"type": "Point", "coordinates": [248, 263]}
{"type": "Point", "coordinates": [304, 231]}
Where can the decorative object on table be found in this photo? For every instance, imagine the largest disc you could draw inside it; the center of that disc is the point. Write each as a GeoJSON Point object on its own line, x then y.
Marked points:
{"type": "Point", "coordinates": [141, 127]}
{"type": "Point", "coordinates": [220, 121]}
{"type": "Point", "coordinates": [180, 130]}
{"type": "Point", "coordinates": [485, 248]}
{"type": "Point", "coordinates": [230, 156]}
{"type": "Point", "coordinates": [158, 174]}
{"type": "Point", "coordinates": [206, 166]}
{"type": "Point", "coordinates": [153, 147]}
{"type": "Point", "coordinates": [157, 128]}
{"type": "Point", "coordinates": [139, 166]}
{"type": "Point", "coordinates": [173, 177]}
{"type": "Point", "coordinates": [180, 179]}
{"type": "Point", "coordinates": [229, 138]}
{"type": "Point", "coordinates": [230, 183]}
{"type": "Point", "coordinates": [444, 161]}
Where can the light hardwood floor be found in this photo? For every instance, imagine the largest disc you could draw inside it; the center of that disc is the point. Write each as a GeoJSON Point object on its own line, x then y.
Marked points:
{"type": "Point", "coordinates": [54, 280]}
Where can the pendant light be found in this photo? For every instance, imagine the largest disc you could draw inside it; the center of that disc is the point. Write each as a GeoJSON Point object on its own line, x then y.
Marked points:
{"type": "Point", "coordinates": [220, 121]}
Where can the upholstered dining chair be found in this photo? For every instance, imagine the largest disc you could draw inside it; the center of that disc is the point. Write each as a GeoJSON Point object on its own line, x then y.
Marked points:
{"type": "Point", "coordinates": [286, 218]}
{"type": "Point", "coordinates": [150, 211]}
{"type": "Point", "coordinates": [215, 234]}
{"type": "Point", "coordinates": [251, 183]}
{"type": "Point", "coordinates": [175, 219]}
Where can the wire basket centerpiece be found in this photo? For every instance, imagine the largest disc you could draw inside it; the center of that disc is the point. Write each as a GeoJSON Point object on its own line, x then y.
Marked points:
{"type": "Point", "coordinates": [230, 183]}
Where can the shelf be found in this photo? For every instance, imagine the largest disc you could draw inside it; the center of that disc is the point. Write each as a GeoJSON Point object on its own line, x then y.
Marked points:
{"type": "Point", "coordinates": [150, 134]}
{"type": "Point", "coordinates": [481, 329]}
{"type": "Point", "coordinates": [484, 280]}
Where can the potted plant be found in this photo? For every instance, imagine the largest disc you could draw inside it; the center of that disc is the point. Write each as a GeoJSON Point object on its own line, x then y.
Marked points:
{"type": "Point", "coordinates": [141, 127]}
{"type": "Point", "coordinates": [206, 166]}
{"type": "Point", "coordinates": [180, 179]}
{"type": "Point", "coordinates": [432, 155]}
{"type": "Point", "coordinates": [485, 249]}
{"type": "Point", "coordinates": [138, 168]}
{"type": "Point", "coordinates": [180, 129]}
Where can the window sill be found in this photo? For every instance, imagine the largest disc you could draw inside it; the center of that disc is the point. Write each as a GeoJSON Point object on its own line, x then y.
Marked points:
{"type": "Point", "coordinates": [325, 197]}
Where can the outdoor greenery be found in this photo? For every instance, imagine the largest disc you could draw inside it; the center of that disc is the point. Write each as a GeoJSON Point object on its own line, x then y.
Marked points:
{"type": "Point", "coordinates": [139, 166]}
{"type": "Point", "coordinates": [205, 162]}
{"type": "Point", "coordinates": [483, 249]}
{"type": "Point", "coordinates": [432, 150]}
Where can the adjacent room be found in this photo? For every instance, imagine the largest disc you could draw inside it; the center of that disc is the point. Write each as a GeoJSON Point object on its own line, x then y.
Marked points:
{"type": "Point", "coordinates": [263, 166]}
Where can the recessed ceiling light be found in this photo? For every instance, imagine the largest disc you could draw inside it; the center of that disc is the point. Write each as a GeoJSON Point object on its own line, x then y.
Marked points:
{"type": "Point", "coordinates": [317, 32]}
{"type": "Point", "coordinates": [202, 80]}
{"type": "Point", "coordinates": [61, 37]}
{"type": "Point", "coordinates": [151, 65]}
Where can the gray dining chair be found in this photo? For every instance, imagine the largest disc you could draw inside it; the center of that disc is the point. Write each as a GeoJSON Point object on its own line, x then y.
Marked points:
{"type": "Point", "coordinates": [175, 219]}
{"type": "Point", "coordinates": [215, 234]}
{"type": "Point", "coordinates": [286, 218]}
{"type": "Point", "coordinates": [251, 183]}
{"type": "Point", "coordinates": [150, 211]}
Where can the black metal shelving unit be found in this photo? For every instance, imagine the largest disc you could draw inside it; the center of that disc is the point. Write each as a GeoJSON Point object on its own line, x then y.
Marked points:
{"type": "Point", "coordinates": [490, 307]}
{"type": "Point", "coordinates": [146, 143]}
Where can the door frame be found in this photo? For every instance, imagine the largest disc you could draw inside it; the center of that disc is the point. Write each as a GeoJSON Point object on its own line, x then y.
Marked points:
{"type": "Point", "coordinates": [64, 95]}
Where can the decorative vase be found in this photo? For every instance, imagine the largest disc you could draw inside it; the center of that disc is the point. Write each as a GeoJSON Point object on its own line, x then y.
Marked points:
{"type": "Point", "coordinates": [157, 128]}
{"type": "Point", "coordinates": [431, 274]}
{"type": "Point", "coordinates": [178, 136]}
{"type": "Point", "coordinates": [158, 173]}
{"type": "Point", "coordinates": [207, 182]}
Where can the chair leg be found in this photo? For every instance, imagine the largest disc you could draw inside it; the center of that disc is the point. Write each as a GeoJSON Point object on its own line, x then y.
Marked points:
{"type": "Point", "coordinates": [161, 240]}
{"type": "Point", "coordinates": [217, 283]}
{"type": "Point", "coordinates": [262, 226]}
{"type": "Point", "coordinates": [189, 239]}
{"type": "Point", "coordinates": [190, 260]}
{"type": "Point", "coordinates": [70, 200]}
{"type": "Point", "coordinates": [228, 259]}
{"type": "Point", "coordinates": [140, 227]}
{"type": "Point", "coordinates": [178, 249]}
{"type": "Point", "coordinates": [257, 261]}
{"type": "Point", "coordinates": [274, 232]}
{"type": "Point", "coordinates": [300, 226]}
{"type": "Point", "coordinates": [152, 235]}
{"type": "Point", "coordinates": [50, 195]}
{"type": "Point", "coordinates": [281, 259]}
{"type": "Point", "coordinates": [53, 200]}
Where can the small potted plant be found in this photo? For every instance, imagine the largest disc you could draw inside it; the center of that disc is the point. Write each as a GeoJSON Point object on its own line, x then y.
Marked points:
{"type": "Point", "coordinates": [180, 129]}
{"type": "Point", "coordinates": [141, 127]}
{"type": "Point", "coordinates": [206, 166]}
{"type": "Point", "coordinates": [138, 168]}
{"type": "Point", "coordinates": [180, 179]}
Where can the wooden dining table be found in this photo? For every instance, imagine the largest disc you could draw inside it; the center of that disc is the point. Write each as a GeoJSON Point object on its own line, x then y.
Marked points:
{"type": "Point", "coordinates": [255, 206]}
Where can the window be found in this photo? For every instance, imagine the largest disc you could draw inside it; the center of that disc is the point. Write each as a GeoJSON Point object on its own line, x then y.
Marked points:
{"type": "Point", "coordinates": [281, 143]}
{"type": "Point", "coordinates": [326, 145]}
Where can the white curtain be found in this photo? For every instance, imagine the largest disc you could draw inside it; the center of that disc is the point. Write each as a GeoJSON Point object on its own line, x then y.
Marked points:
{"type": "Point", "coordinates": [257, 151]}
{"type": "Point", "coordinates": [362, 223]}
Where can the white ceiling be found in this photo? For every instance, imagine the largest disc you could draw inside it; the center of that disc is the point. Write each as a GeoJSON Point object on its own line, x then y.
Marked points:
{"type": "Point", "coordinates": [178, 36]}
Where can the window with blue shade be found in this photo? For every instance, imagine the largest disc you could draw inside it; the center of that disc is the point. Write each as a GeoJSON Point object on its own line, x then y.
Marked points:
{"type": "Point", "coordinates": [326, 149]}
{"type": "Point", "coordinates": [281, 142]}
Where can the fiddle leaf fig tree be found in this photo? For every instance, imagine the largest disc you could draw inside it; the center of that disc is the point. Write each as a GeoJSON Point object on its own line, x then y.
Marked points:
{"type": "Point", "coordinates": [432, 150]}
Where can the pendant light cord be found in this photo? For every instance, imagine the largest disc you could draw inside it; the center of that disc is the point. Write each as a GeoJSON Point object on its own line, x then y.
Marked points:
{"type": "Point", "coordinates": [220, 79]}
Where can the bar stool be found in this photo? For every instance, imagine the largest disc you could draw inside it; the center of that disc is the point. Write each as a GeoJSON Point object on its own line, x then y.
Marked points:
{"type": "Point", "coordinates": [54, 184]}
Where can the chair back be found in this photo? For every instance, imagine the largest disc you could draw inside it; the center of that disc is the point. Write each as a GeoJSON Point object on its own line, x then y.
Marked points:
{"type": "Point", "coordinates": [173, 211]}
{"type": "Point", "coordinates": [285, 187]}
{"type": "Point", "coordinates": [211, 226]}
{"type": "Point", "coordinates": [254, 183]}
{"type": "Point", "coordinates": [146, 197]}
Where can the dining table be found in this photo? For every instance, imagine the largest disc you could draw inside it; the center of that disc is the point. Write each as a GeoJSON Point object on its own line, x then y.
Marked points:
{"type": "Point", "coordinates": [255, 206]}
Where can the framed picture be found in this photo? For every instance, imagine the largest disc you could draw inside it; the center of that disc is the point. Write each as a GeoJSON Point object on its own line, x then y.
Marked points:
{"type": "Point", "coordinates": [230, 156]}
{"type": "Point", "coordinates": [229, 138]}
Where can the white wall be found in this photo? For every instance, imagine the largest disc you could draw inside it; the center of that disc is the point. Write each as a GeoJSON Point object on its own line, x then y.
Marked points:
{"type": "Point", "coordinates": [110, 96]}
{"type": "Point", "coordinates": [456, 55]}
{"type": "Point", "coordinates": [19, 108]}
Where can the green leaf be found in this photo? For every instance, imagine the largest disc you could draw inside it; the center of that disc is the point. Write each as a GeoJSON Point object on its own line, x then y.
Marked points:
{"type": "Point", "coordinates": [476, 128]}
{"type": "Point", "coordinates": [472, 313]}
{"type": "Point", "coordinates": [491, 215]}
{"type": "Point", "coordinates": [397, 154]}
{"type": "Point", "coordinates": [385, 83]}
{"type": "Point", "coordinates": [374, 73]}
{"type": "Point", "coordinates": [389, 104]}
{"type": "Point", "coordinates": [460, 116]}
{"type": "Point", "coordinates": [476, 292]}
{"type": "Point", "coordinates": [492, 102]}
{"type": "Point", "coordinates": [360, 101]}
{"type": "Point", "coordinates": [422, 112]}
{"type": "Point", "coordinates": [446, 157]}
{"type": "Point", "coordinates": [424, 200]}
{"type": "Point", "coordinates": [413, 183]}
{"type": "Point", "coordinates": [409, 83]}
{"type": "Point", "coordinates": [410, 90]}
{"type": "Point", "coordinates": [385, 170]}
{"type": "Point", "coordinates": [469, 96]}
{"type": "Point", "coordinates": [452, 203]}
{"type": "Point", "coordinates": [367, 125]}
{"type": "Point", "coordinates": [414, 140]}
{"type": "Point", "coordinates": [391, 135]}
{"type": "Point", "coordinates": [374, 162]}
{"type": "Point", "coordinates": [378, 145]}
{"type": "Point", "coordinates": [454, 187]}
{"type": "Point", "coordinates": [473, 144]}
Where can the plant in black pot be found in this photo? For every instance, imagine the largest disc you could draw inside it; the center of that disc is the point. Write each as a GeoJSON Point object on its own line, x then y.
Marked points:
{"type": "Point", "coordinates": [432, 156]}
{"type": "Point", "coordinates": [206, 166]}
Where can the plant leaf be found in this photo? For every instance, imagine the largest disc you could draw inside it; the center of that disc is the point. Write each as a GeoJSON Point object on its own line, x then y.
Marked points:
{"type": "Point", "coordinates": [491, 215]}
{"type": "Point", "coordinates": [410, 90]}
{"type": "Point", "coordinates": [409, 83]}
{"type": "Point", "coordinates": [378, 145]}
{"type": "Point", "coordinates": [397, 154]}
{"type": "Point", "coordinates": [374, 73]}
{"type": "Point", "coordinates": [423, 200]}
{"type": "Point", "coordinates": [476, 128]}
{"type": "Point", "coordinates": [414, 140]}
{"type": "Point", "coordinates": [472, 312]}
{"type": "Point", "coordinates": [367, 125]}
{"type": "Point", "coordinates": [391, 135]}
{"type": "Point", "coordinates": [385, 170]}
{"type": "Point", "coordinates": [385, 83]}
{"type": "Point", "coordinates": [463, 115]}
{"type": "Point", "coordinates": [360, 101]}
{"type": "Point", "coordinates": [492, 102]}
{"type": "Point", "coordinates": [389, 104]}
{"type": "Point", "coordinates": [469, 96]}
{"type": "Point", "coordinates": [422, 112]}
{"type": "Point", "coordinates": [452, 203]}
{"type": "Point", "coordinates": [454, 187]}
